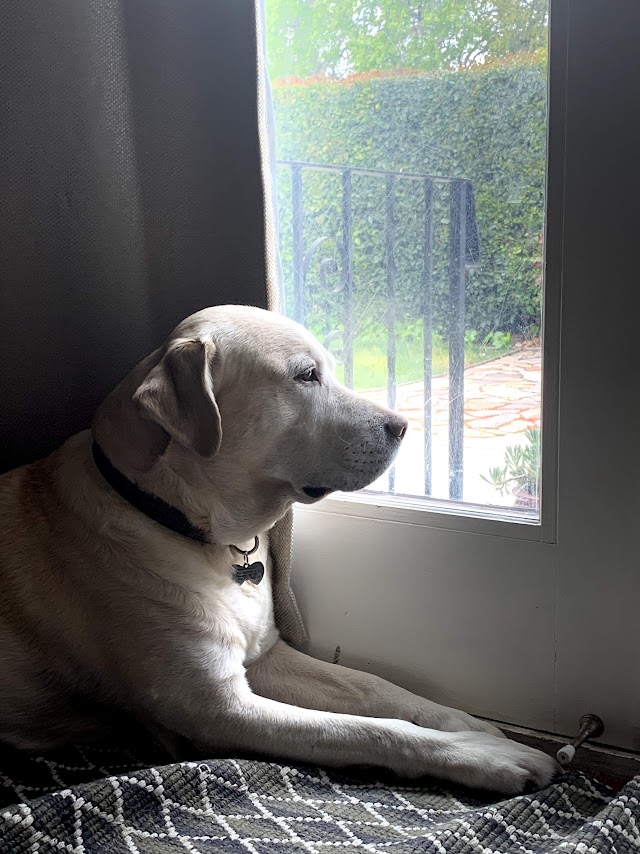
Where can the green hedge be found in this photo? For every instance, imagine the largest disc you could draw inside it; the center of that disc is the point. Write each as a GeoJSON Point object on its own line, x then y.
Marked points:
{"type": "Point", "coordinates": [487, 124]}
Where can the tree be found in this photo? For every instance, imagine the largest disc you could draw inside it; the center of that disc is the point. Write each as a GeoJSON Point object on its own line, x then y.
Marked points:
{"type": "Point", "coordinates": [333, 38]}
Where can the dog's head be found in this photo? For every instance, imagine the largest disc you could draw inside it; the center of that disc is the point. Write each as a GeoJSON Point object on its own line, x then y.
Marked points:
{"type": "Point", "coordinates": [238, 416]}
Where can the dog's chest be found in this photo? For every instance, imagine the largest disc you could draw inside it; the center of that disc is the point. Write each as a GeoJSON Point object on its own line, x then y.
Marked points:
{"type": "Point", "coordinates": [243, 612]}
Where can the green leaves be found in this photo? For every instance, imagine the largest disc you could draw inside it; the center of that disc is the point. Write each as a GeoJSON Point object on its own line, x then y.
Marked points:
{"type": "Point", "coordinates": [493, 133]}
{"type": "Point", "coordinates": [521, 470]}
{"type": "Point", "coordinates": [334, 38]}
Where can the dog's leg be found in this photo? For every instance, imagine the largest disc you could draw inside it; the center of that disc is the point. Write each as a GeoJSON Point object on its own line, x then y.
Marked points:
{"type": "Point", "coordinates": [228, 716]}
{"type": "Point", "coordinates": [290, 676]}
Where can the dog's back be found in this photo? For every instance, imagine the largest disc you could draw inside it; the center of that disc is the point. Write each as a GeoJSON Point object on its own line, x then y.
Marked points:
{"type": "Point", "coordinates": [40, 623]}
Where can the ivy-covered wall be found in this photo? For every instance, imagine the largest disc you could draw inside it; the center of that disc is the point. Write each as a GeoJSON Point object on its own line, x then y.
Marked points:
{"type": "Point", "coordinates": [486, 124]}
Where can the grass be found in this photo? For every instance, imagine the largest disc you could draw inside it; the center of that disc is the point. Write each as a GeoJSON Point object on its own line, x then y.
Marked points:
{"type": "Point", "coordinates": [370, 356]}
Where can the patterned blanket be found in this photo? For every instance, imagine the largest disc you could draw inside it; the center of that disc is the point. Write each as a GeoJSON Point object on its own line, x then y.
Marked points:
{"type": "Point", "coordinates": [243, 805]}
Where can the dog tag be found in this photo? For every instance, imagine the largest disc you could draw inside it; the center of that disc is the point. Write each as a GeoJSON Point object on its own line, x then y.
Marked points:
{"type": "Point", "coordinates": [253, 572]}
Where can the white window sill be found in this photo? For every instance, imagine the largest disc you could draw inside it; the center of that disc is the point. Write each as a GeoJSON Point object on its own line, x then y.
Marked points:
{"type": "Point", "coordinates": [434, 513]}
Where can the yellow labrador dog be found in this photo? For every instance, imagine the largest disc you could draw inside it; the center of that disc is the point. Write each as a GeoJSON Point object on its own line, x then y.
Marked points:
{"type": "Point", "coordinates": [129, 577]}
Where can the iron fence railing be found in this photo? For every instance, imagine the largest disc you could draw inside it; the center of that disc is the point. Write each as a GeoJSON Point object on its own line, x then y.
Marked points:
{"type": "Point", "coordinates": [463, 252]}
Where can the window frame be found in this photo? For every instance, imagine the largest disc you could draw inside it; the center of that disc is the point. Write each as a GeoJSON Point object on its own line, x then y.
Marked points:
{"type": "Point", "coordinates": [487, 519]}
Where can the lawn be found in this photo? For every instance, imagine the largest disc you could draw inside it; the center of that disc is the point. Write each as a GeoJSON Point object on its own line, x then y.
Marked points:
{"type": "Point", "coordinates": [370, 356]}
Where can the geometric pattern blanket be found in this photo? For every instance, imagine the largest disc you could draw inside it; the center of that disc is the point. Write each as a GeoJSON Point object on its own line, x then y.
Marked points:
{"type": "Point", "coordinates": [56, 804]}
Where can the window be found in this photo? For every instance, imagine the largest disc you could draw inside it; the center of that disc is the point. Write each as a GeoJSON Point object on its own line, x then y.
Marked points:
{"type": "Point", "coordinates": [513, 620]}
{"type": "Point", "coordinates": [411, 147]}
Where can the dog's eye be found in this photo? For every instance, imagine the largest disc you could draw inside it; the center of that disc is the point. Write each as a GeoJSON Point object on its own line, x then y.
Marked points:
{"type": "Point", "coordinates": [310, 375]}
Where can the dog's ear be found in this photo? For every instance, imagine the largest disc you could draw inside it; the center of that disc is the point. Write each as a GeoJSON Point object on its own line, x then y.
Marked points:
{"type": "Point", "coordinates": [178, 396]}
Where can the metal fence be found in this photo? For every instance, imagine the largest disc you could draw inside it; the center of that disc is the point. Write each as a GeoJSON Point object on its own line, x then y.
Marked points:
{"type": "Point", "coordinates": [463, 252]}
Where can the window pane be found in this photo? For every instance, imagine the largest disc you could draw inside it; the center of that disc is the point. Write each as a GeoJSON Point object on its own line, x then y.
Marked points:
{"type": "Point", "coordinates": [411, 146]}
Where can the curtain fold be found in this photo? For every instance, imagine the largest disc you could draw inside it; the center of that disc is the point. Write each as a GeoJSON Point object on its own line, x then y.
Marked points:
{"type": "Point", "coordinates": [267, 136]}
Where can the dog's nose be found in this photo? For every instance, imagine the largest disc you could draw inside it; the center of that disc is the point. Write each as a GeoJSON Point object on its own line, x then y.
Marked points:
{"type": "Point", "coordinates": [397, 426]}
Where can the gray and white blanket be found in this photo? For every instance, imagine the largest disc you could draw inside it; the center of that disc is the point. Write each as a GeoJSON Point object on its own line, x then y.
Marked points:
{"type": "Point", "coordinates": [56, 804]}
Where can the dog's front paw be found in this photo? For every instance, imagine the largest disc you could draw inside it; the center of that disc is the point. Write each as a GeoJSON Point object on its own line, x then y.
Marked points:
{"type": "Point", "coordinates": [497, 764]}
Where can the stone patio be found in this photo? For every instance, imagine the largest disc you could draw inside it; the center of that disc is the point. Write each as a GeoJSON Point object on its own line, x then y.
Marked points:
{"type": "Point", "coordinates": [502, 400]}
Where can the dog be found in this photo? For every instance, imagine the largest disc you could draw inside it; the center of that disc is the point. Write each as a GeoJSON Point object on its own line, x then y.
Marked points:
{"type": "Point", "coordinates": [136, 572]}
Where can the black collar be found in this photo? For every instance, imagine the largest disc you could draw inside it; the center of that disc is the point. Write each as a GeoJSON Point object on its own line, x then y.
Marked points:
{"type": "Point", "coordinates": [151, 505]}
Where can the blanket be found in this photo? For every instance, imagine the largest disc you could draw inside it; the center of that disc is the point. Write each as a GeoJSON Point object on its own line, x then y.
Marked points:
{"type": "Point", "coordinates": [96, 801]}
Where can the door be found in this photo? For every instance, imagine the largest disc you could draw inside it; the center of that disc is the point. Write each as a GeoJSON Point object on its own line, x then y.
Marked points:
{"type": "Point", "coordinates": [495, 568]}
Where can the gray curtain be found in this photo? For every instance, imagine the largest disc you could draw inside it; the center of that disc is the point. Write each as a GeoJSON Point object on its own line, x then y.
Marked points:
{"type": "Point", "coordinates": [131, 193]}
{"type": "Point", "coordinates": [135, 161]}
